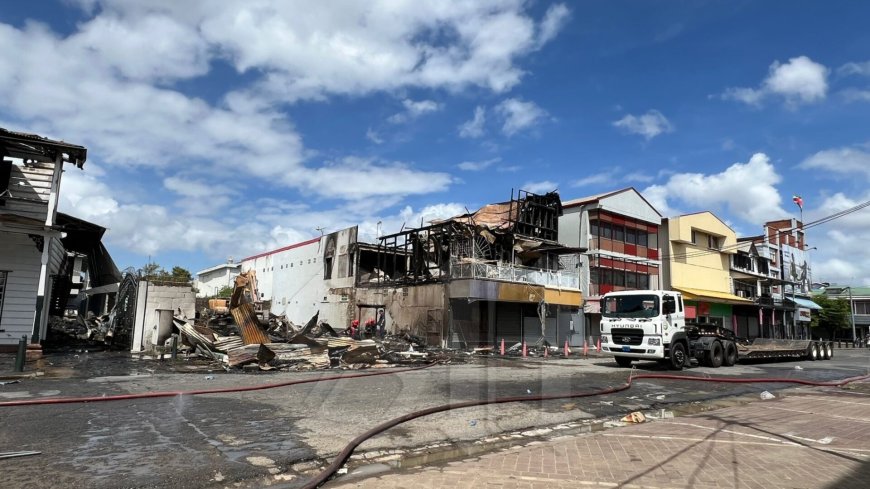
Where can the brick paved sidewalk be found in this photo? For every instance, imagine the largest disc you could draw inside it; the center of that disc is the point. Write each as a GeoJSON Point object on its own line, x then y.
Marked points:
{"type": "Point", "coordinates": [815, 438]}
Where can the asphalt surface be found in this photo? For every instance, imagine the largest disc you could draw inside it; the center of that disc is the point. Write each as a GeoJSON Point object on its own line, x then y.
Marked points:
{"type": "Point", "coordinates": [279, 437]}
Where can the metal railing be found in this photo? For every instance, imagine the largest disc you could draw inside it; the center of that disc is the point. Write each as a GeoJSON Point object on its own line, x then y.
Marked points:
{"type": "Point", "coordinates": [515, 273]}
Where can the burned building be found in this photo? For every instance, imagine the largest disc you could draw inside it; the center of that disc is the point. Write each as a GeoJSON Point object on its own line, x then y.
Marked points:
{"type": "Point", "coordinates": [475, 279]}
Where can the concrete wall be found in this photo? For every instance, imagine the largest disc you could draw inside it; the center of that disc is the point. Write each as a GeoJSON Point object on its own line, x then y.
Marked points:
{"type": "Point", "coordinates": [151, 300]}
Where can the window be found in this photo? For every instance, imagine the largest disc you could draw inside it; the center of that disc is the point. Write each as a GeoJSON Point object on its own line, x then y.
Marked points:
{"type": "Point", "coordinates": [642, 237]}
{"type": "Point", "coordinates": [594, 276]}
{"type": "Point", "coordinates": [604, 228]}
{"type": "Point", "coordinates": [631, 236]}
{"type": "Point", "coordinates": [712, 242]}
{"type": "Point", "coordinates": [695, 237]}
{"type": "Point", "coordinates": [631, 280]}
{"type": "Point", "coordinates": [3, 277]}
{"type": "Point", "coordinates": [642, 281]}
{"type": "Point", "coordinates": [593, 228]}
{"type": "Point", "coordinates": [618, 233]}
{"type": "Point", "coordinates": [619, 278]}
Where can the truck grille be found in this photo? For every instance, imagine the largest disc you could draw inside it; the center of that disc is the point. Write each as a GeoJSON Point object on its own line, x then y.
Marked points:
{"type": "Point", "coordinates": [627, 336]}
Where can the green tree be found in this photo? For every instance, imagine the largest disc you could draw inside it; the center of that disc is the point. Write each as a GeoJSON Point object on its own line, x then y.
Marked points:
{"type": "Point", "coordinates": [225, 292]}
{"type": "Point", "coordinates": [181, 275]}
{"type": "Point", "coordinates": [833, 318]}
{"type": "Point", "coordinates": [150, 269]}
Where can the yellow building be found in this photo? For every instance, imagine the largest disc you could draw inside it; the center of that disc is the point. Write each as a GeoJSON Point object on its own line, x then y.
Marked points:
{"type": "Point", "coordinates": [696, 259]}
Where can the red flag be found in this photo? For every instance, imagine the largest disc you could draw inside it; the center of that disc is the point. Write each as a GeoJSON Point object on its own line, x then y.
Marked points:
{"type": "Point", "coordinates": [799, 201]}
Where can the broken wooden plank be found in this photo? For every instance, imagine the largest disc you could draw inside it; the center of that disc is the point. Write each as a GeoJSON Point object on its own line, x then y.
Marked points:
{"type": "Point", "coordinates": [242, 355]}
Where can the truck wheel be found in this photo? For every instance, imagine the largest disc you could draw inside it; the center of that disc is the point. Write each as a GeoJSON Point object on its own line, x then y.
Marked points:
{"type": "Point", "coordinates": [814, 351]}
{"type": "Point", "coordinates": [678, 356]}
{"type": "Point", "coordinates": [714, 356]}
{"type": "Point", "coordinates": [623, 361]}
{"type": "Point", "coordinates": [730, 354]}
{"type": "Point", "coordinates": [829, 349]}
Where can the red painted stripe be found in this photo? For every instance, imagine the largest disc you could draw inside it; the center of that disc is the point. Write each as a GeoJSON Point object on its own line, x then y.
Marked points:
{"type": "Point", "coordinates": [297, 245]}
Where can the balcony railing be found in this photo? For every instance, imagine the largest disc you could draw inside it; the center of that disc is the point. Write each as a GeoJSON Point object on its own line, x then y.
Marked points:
{"type": "Point", "coordinates": [515, 273]}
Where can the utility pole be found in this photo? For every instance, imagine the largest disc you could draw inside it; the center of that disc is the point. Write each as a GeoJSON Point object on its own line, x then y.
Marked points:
{"type": "Point", "coordinates": [852, 316]}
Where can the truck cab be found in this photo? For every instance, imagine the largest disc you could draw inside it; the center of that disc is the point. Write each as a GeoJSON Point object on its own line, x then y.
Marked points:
{"type": "Point", "coordinates": [644, 325]}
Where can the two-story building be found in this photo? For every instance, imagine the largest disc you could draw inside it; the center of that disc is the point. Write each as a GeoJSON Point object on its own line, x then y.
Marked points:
{"type": "Point", "coordinates": [859, 302]}
{"type": "Point", "coordinates": [696, 260]}
{"type": "Point", "coordinates": [619, 231]}
{"type": "Point", "coordinates": [31, 251]}
{"type": "Point", "coordinates": [212, 280]}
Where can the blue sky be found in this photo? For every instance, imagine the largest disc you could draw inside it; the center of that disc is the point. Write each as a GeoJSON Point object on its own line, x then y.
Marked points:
{"type": "Point", "coordinates": [229, 128]}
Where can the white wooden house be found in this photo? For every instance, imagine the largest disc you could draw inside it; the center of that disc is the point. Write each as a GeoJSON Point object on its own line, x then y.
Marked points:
{"type": "Point", "coordinates": [31, 252]}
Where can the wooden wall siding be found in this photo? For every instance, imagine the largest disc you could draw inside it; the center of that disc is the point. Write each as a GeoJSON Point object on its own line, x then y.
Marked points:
{"type": "Point", "coordinates": [30, 186]}
{"type": "Point", "coordinates": [19, 257]}
{"type": "Point", "coordinates": [56, 255]}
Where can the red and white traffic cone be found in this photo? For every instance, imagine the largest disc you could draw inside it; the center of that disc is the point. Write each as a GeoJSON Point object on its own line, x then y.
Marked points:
{"type": "Point", "coordinates": [546, 351]}
{"type": "Point", "coordinates": [585, 349]}
{"type": "Point", "coordinates": [567, 351]}
{"type": "Point", "coordinates": [598, 348]}
{"type": "Point", "coordinates": [525, 353]}
{"type": "Point", "coordinates": [502, 347]}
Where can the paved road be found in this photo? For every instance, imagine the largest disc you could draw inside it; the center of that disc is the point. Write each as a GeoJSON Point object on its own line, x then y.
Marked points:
{"type": "Point", "coordinates": [278, 436]}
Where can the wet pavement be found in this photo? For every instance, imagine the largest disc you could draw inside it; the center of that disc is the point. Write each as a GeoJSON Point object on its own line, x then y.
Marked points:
{"type": "Point", "coordinates": [279, 437]}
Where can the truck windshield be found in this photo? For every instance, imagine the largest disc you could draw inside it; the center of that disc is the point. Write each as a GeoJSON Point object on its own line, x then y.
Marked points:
{"type": "Point", "coordinates": [630, 306]}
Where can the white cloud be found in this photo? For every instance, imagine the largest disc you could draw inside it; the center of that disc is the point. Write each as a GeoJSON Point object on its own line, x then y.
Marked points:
{"type": "Point", "coordinates": [595, 179]}
{"type": "Point", "coordinates": [473, 128]}
{"type": "Point", "coordinates": [856, 95]}
{"type": "Point", "coordinates": [800, 80]}
{"type": "Point", "coordinates": [541, 187]}
{"type": "Point", "coordinates": [310, 49]}
{"type": "Point", "coordinates": [747, 190]}
{"type": "Point", "coordinates": [477, 165]}
{"type": "Point", "coordinates": [131, 113]}
{"type": "Point", "coordinates": [862, 68]}
{"type": "Point", "coordinates": [414, 109]}
{"type": "Point", "coordinates": [648, 125]}
{"type": "Point", "coordinates": [638, 177]}
{"type": "Point", "coordinates": [841, 255]}
{"type": "Point", "coordinates": [519, 115]}
{"type": "Point", "coordinates": [843, 162]}
{"type": "Point", "coordinates": [554, 19]}
{"type": "Point", "coordinates": [373, 136]}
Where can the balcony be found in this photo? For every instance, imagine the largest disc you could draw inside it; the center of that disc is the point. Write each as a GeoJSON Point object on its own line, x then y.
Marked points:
{"type": "Point", "coordinates": [515, 273]}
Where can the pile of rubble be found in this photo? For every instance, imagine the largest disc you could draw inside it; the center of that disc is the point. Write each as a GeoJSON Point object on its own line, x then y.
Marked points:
{"type": "Point", "coordinates": [285, 346]}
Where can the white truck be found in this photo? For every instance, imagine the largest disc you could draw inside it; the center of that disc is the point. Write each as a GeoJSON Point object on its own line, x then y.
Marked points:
{"type": "Point", "coordinates": [651, 325]}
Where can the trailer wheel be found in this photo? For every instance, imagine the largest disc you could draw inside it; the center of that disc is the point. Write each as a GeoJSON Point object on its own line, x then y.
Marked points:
{"type": "Point", "coordinates": [730, 354]}
{"type": "Point", "coordinates": [714, 355]}
{"type": "Point", "coordinates": [829, 348]}
{"type": "Point", "coordinates": [678, 355]}
{"type": "Point", "coordinates": [623, 361]}
{"type": "Point", "coordinates": [814, 351]}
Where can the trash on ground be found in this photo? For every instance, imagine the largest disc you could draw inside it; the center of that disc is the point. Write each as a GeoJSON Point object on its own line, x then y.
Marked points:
{"type": "Point", "coordinates": [767, 395]}
{"type": "Point", "coordinates": [635, 417]}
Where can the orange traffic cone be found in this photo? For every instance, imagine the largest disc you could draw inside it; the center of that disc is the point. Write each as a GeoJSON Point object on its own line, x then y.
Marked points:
{"type": "Point", "coordinates": [598, 348]}
{"type": "Point", "coordinates": [546, 351]}
{"type": "Point", "coordinates": [525, 353]}
{"type": "Point", "coordinates": [585, 349]}
{"type": "Point", "coordinates": [502, 347]}
{"type": "Point", "coordinates": [567, 351]}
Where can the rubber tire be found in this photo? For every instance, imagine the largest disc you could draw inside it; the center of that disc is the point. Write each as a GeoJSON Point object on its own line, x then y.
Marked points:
{"type": "Point", "coordinates": [730, 358]}
{"type": "Point", "coordinates": [715, 355]}
{"type": "Point", "coordinates": [623, 361]}
{"type": "Point", "coordinates": [679, 357]}
{"type": "Point", "coordinates": [814, 352]}
{"type": "Point", "coordinates": [830, 349]}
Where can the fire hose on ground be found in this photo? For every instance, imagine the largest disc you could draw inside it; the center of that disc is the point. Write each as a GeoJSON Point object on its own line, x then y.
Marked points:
{"type": "Point", "coordinates": [348, 450]}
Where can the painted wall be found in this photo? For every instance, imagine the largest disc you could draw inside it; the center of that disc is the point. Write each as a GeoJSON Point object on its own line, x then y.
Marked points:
{"type": "Point", "coordinates": [20, 258]}
{"type": "Point", "coordinates": [695, 265]}
{"type": "Point", "coordinates": [210, 283]}
{"type": "Point", "coordinates": [151, 300]}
